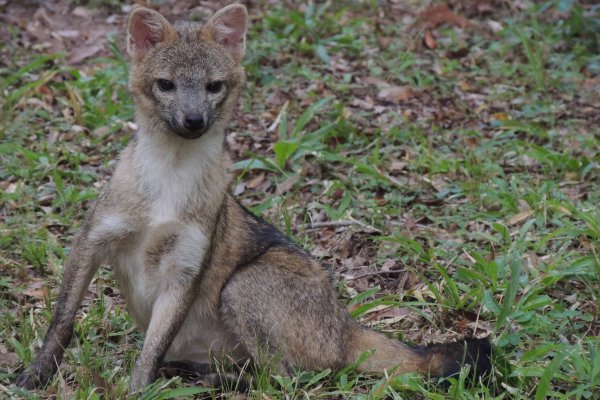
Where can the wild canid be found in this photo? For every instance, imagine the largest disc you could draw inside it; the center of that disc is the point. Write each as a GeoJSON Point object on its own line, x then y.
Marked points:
{"type": "Point", "coordinates": [202, 275]}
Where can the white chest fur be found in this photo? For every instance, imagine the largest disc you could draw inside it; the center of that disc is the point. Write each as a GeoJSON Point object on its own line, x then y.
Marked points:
{"type": "Point", "coordinates": [173, 171]}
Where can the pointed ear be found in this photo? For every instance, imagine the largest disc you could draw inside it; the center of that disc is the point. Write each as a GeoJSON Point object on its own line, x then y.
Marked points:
{"type": "Point", "coordinates": [145, 29]}
{"type": "Point", "coordinates": [228, 28]}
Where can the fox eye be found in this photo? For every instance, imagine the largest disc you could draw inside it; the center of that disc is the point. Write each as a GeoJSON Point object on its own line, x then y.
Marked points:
{"type": "Point", "coordinates": [165, 85]}
{"type": "Point", "coordinates": [214, 87]}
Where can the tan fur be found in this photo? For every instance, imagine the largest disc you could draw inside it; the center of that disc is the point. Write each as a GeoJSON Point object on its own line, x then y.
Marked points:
{"type": "Point", "coordinates": [201, 275]}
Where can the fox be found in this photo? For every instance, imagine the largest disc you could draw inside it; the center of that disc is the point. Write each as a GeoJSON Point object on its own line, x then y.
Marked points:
{"type": "Point", "coordinates": [202, 276]}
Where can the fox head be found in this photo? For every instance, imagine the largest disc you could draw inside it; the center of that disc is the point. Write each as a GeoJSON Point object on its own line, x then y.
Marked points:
{"type": "Point", "coordinates": [186, 77]}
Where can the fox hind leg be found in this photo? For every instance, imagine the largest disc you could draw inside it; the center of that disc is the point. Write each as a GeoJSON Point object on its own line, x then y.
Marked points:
{"type": "Point", "coordinates": [293, 314]}
{"type": "Point", "coordinates": [295, 319]}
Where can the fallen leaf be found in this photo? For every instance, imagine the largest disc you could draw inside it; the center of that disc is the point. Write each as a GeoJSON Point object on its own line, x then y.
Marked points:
{"type": "Point", "coordinates": [520, 217]}
{"type": "Point", "coordinates": [460, 53]}
{"type": "Point", "coordinates": [591, 82]}
{"type": "Point", "coordinates": [81, 12]}
{"type": "Point", "coordinates": [101, 385]}
{"type": "Point", "coordinates": [389, 316]}
{"type": "Point", "coordinates": [384, 41]}
{"type": "Point", "coordinates": [337, 194]}
{"type": "Point", "coordinates": [388, 264]}
{"type": "Point", "coordinates": [9, 359]}
{"type": "Point", "coordinates": [365, 104]}
{"type": "Point", "coordinates": [256, 181]}
{"type": "Point", "coordinates": [501, 116]}
{"type": "Point", "coordinates": [239, 188]}
{"type": "Point", "coordinates": [494, 26]}
{"type": "Point", "coordinates": [286, 185]}
{"type": "Point", "coordinates": [84, 52]}
{"type": "Point", "coordinates": [68, 33]}
{"type": "Point", "coordinates": [464, 86]}
{"type": "Point", "coordinates": [395, 94]}
{"type": "Point", "coordinates": [429, 40]}
{"type": "Point", "coordinates": [437, 15]}
{"type": "Point", "coordinates": [380, 83]}
{"type": "Point", "coordinates": [101, 131]}
{"type": "Point", "coordinates": [36, 289]}
{"type": "Point", "coordinates": [485, 8]}
{"type": "Point", "coordinates": [571, 177]}
{"type": "Point", "coordinates": [478, 7]}
{"type": "Point", "coordinates": [397, 166]}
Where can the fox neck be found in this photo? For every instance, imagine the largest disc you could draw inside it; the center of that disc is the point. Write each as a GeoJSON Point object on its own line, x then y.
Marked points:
{"type": "Point", "coordinates": [178, 175]}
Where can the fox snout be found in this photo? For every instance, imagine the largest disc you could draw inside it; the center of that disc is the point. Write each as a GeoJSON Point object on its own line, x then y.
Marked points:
{"type": "Point", "coordinates": [191, 125]}
{"type": "Point", "coordinates": [194, 122]}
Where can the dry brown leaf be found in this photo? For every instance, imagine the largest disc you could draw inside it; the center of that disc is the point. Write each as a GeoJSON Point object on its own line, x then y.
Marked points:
{"type": "Point", "coordinates": [397, 166]}
{"type": "Point", "coordinates": [101, 385]}
{"type": "Point", "coordinates": [485, 8]}
{"type": "Point", "coordinates": [501, 116]}
{"type": "Point", "coordinates": [256, 181]}
{"type": "Point", "coordinates": [387, 315]}
{"type": "Point", "coordinates": [81, 12]}
{"type": "Point", "coordinates": [36, 289]}
{"type": "Point", "coordinates": [337, 194]}
{"type": "Point", "coordinates": [365, 104]}
{"type": "Point", "coordinates": [464, 86]}
{"type": "Point", "coordinates": [395, 94]}
{"type": "Point", "coordinates": [9, 359]}
{"type": "Point", "coordinates": [439, 14]}
{"type": "Point", "coordinates": [384, 41]}
{"type": "Point", "coordinates": [591, 82]}
{"type": "Point", "coordinates": [533, 261]}
{"type": "Point", "coordinates": [361, 285]}
{"type": "Point", "coordinates": [395, 312]}
{"type": "Point", "coordinates": [571, 177]}
{"type": "Point", "coordinates": [380, 83]}
{"type": "Point", "coordinates": [429, 40]}
{"type": "Point", "coordinates": [68, 33]}
{"type": "Point", "coordinates": [358, 265]}
{"type": "Point", "coordinates": [494, 26]}
{"type": "Point", "coordinates": [520, 217]}
{"type": "Point", "coordinates": [388, 265]}
{"type": "Point", "coordinates": [239, 188]}
{"type": "Point", "coordinates": [84, 52]}
{"type": "Point", "coordinates": [460, 53]}
{"type": "Point", "coordinates": [478, 7]}
{"type": "Point", "coordinates": [286, 185]}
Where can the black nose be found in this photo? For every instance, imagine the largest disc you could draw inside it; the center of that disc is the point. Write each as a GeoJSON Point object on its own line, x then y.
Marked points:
{"type": "Point", "coordinates": [193, 122]}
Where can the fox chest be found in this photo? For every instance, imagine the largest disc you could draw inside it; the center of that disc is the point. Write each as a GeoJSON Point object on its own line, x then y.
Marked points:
{"type": "Point", "coordinates": [151, 257]}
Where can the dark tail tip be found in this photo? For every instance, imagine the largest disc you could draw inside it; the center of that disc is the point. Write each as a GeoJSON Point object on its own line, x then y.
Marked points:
{"type": "Point", "coordinates": [447, 359]}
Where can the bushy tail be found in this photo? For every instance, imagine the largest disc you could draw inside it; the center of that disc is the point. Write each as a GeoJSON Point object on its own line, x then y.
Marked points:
{"type": "Point", "coordinates": [446, 359]}
{"type": "Point", "coordinates": [437, 360]}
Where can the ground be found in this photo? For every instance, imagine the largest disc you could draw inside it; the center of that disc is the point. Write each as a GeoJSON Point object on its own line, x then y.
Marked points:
{"type": "Point", "coordinates": [441, 159]}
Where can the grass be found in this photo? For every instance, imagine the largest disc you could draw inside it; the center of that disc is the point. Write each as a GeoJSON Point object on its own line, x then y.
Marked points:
{"type": "Point", "coordinates": [479, 192]}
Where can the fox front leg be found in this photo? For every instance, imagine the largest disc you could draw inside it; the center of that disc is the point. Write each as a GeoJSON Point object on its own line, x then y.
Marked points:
{"type": "Point", "coordinates": [80, 269]}
{"type": "Point", "coordinates": [177, 272]}
{"type": "Point", "coordinates": [88, 252]}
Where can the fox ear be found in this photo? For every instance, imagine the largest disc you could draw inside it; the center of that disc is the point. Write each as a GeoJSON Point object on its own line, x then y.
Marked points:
{"type": "Point", "coordinates": [228, 28]}
{"type": "Point", "coordinates": [145, 29]}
